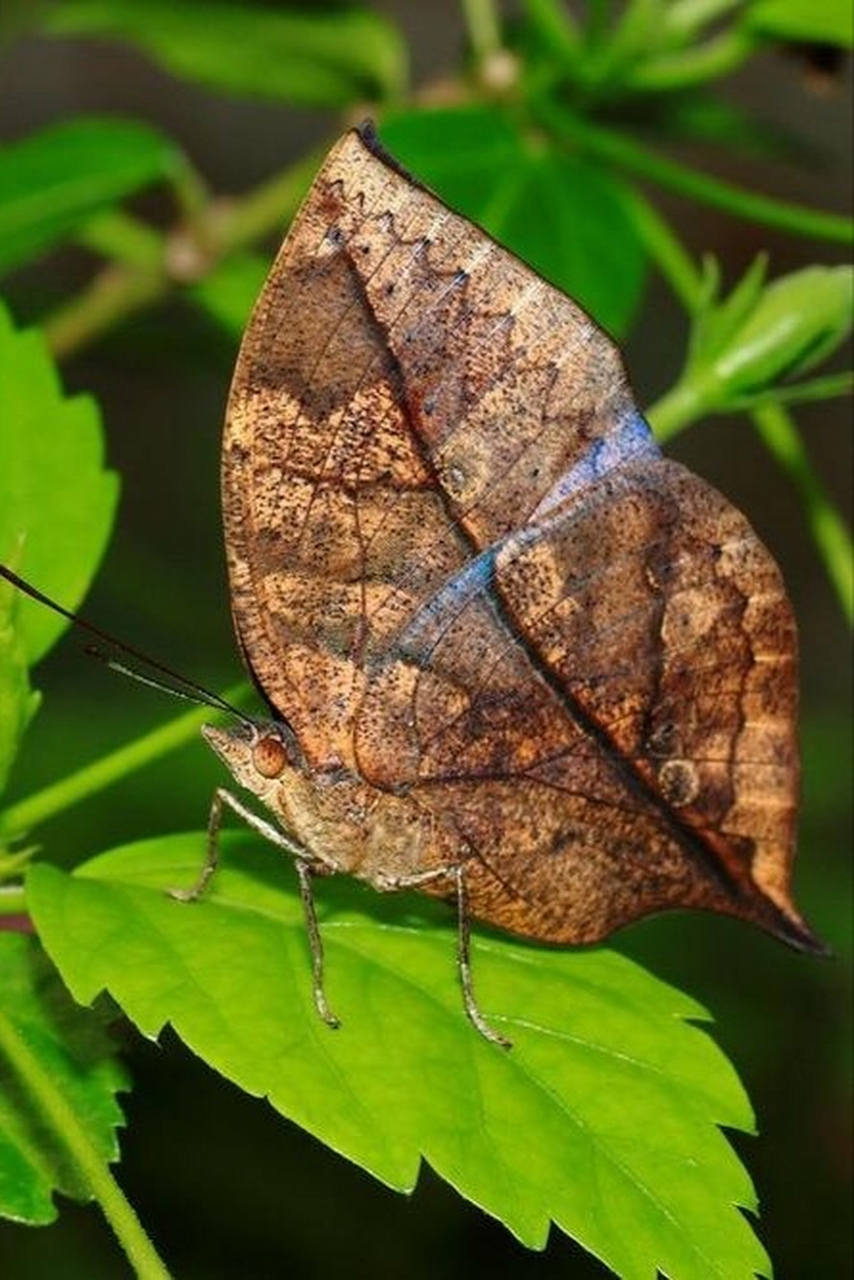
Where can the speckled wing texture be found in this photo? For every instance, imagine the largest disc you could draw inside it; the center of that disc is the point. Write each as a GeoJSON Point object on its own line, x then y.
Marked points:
{"type": "Point", "coordinates": [463, 572]}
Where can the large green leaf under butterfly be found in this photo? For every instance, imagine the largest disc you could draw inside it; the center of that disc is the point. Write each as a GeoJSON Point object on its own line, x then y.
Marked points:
{"type": "Point", "coordinates": [605, 1111]}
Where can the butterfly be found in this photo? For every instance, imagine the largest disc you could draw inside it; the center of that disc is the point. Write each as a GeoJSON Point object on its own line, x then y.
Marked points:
{"type": "Point", "coordinates": [513, 655]}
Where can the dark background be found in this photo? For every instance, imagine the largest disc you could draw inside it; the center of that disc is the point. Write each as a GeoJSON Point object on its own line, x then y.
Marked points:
{"type": "Point", "coordinates": [226, 1187]}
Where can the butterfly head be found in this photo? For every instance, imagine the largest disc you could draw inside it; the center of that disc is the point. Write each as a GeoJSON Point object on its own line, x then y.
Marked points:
{"type": "Point", "coordinates": [321, 810]}
{"type": "Point", "coordinates": [258, 754]}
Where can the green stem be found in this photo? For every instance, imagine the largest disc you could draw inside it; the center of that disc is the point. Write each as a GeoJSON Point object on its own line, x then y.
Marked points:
{"type": "Point", "coordinates": [191, 193]}
{"type": "Point", "coordinates": [13, 900]}
{"type": "Point", "coordinates": [269, 207]}
{"type": "Point", "coordinates": [558, 30]}
{"type": "Point", "coordinates": [675, 410]}
{"type": "Point", "coordinates": [92, 1167]}
{"type": "Point", "coordinates": [782, 438]}
{"type": "Point", "coordinates": [113, 295]}
{"type": "Point", "coordinates": [680, 406]}
{"type": "Point", "coordinates": [666, 249]}
{"type": "Point", "coordinates": [115, 234]}
{"type": "Point", "coordinates": [483, 27]}
{"type": "Point", "coordinates": [92, 778]}
{"type": "Point", "coordinates": [687, 18]}
{"type": "Point", "coordinates": [711, 60]}
{"type": "Point", "coordinates": [633, 157]}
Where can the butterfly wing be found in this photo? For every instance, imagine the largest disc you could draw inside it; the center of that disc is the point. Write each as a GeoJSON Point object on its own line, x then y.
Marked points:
{"type": "Point", "coordinates": [462, 570]}
{"type": "Point", "coordinates": [406, 393]}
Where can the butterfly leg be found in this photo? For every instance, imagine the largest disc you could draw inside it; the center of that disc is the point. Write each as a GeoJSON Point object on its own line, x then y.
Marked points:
{"type": "Point", "coordinates": [306, 872]}
{"type": "Point", "coordinates": [470, 1004]}
{"type": "Point", "coordinates": [457, 875]}
{"type": "Point", "coordinates": [266, 829]}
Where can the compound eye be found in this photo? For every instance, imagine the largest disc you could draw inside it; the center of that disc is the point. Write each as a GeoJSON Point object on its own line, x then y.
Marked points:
{"type": "Point", "coordinates": [269, 756]}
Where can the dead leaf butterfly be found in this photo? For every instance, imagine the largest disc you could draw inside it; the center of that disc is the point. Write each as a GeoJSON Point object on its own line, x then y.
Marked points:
{"type": "Point", "coordinates": [513, 655]}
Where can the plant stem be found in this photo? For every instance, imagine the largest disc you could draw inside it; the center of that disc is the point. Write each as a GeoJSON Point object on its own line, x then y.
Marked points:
{"type": "Point", "coordinates": [666, 250]}
{"type": "Point", "coordinates": [633, 157]}
{"type": "Point", "coordinates": [483, 27]}
{"type": "Point", "coordinates": [90, 1164]}
{"type": "Point", "coordinates": [92, 778]}
{"type": "Point", "coordinates": [13, 900]}
{"type": "Point", "coordinates": [679, 406]}
{"type": "Point", "coordinates": [114, 234]}
{"type": "Point", "coordinates": [674, 411]}
{"type": "Point", "coordinates": [268, 207]}
{"type": "Point", "coordinates": [687, 18]}
{"type": "Point", "coordinates": [781, 437]}
{"type": "Point", "coordinates": [114, 294]}
{"type": "Point", "coordinates": [711, 60]}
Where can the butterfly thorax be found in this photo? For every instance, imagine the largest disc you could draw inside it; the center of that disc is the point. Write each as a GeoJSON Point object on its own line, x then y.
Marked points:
{"type": "Point", "coordinates": [336, 818]}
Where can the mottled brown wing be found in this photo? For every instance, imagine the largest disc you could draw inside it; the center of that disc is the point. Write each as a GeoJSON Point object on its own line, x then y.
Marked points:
{"type": "Point", "coordinates": [607, 710]}
{"type": "Point", "coordinates": [461, 568]}
{"type": "Point", "coordinates": [406, 391]}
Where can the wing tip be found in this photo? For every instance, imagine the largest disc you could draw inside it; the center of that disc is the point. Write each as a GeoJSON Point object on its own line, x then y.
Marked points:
{"type": "Point", "coordinates": [367, 134]}
{"type": "Point", "coordinates": [796, 933]}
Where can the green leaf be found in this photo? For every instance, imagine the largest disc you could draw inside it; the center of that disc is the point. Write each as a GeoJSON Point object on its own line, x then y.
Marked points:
{"type": "Point", "coordinates": [582, 240]}
{"type": "Point", "coordinates": [718, 319]}
{"type": "Point", "coordinates": [831, 22]}
{"type": "Point", "coordinates": [797, 321]}
{"type": "Point", "coordinates": [830, 531]}
{"type": "Point", "coordinates": [564, 217]}
{"type": "Point", "coordinates": [602, 1118]}
{"type": "Point", "coordinates": [56, 500]}
{"type": "Point", "coordinates": [229, 292]}
{"type": "Point", "coordinates": [555, 32]}
{"type": "Point", "coordinates": [320, 56]}
{"type": "Point", "coordinates": [58, 1083]}
{"type": "Point", "coordinates": [52, 182]}
{"type": "Point", "coordinates": [18, 702]}
{"type": "Point", "coordinates": [828, 387]}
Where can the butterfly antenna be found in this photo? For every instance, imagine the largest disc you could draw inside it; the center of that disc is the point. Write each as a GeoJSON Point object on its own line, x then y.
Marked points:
{"type": "Point", "coordinates": [179, 686]}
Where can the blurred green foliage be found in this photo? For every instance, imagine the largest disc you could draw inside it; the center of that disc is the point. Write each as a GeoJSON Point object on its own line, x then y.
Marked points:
{"type": "Point", "coordinates": [569, 132]}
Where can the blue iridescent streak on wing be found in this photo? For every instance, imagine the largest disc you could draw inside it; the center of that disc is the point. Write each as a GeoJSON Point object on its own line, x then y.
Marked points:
{"type": "Point", "coordinates": [428, 625]}
{"type": "Point", "coordinates": [630, 442]}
